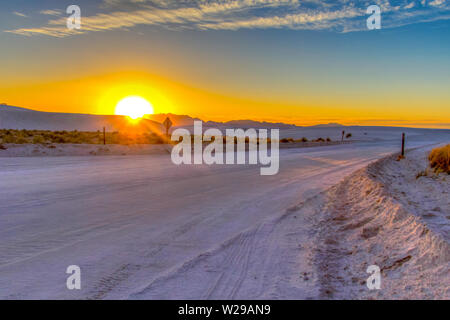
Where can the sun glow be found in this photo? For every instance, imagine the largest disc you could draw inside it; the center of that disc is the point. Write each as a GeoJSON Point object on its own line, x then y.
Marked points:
{"type": "Point", "coordinates": [134, 107]}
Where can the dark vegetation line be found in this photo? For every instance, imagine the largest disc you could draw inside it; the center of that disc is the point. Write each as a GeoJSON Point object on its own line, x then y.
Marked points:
{"type": "Point", "coordinates": [45, 137]}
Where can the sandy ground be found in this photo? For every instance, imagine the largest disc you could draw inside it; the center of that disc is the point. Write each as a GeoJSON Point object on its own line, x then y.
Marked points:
{"type": "Point", "coordinates": [67, 149]}
{"type": "Point", "coordinates": [320, 249]}
{"type": "Point", "coordinates": [140, 227]}
{"type": "Point", "coordinates": [384, 215]}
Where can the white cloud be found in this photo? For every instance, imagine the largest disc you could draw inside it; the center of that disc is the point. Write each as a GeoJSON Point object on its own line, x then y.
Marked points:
{"type": "Point", "coordinates": [51, 12]}
{"type": "Point", "coordinates": [322, 20]}
{"type": "Point", "coordinates": [436, 3]}
{"type": "Point", "coordinates": [341, 15]}
{"type": "Point", "coordinates": [19, 14]}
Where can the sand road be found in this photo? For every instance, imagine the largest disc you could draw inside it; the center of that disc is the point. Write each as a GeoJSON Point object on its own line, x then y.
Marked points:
{"type": "Point", "coordinates": [130, 222]}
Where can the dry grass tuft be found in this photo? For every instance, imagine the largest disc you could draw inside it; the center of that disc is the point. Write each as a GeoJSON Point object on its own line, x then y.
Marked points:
{"type": "Point", "coordinates": [423, 173]}
{"type": "Point", "coordinates": [440, 159]}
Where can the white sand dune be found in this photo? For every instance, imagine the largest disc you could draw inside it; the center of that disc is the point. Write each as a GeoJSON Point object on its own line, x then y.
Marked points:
{"type": "Point", "coordinates": [383, 215]}
{"type": "Point", "coordinates": [358, 133]}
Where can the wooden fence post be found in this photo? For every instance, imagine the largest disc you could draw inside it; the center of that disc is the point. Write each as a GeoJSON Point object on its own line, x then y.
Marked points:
{"type": "Point", "coordinates": [104, 136]}
{"type": "Point", "coordinates": [403, 144]}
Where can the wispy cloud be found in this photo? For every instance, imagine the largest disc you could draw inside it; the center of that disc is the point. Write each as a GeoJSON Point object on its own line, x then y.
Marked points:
{"type": "Point", "coordinates": [337, 15]}
{"type": "Point", "coordinates": [19, 14]}
{"type": "Point", "coordinates": [437, 3]}
{"type": "Point", "coordinates": [51, 12]}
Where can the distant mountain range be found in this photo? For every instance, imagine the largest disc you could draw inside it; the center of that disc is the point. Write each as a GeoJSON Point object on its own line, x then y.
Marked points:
{"type": "Point", "coordinates": [328, 125]}
{"type": "Point", "coordinates": [22, 118]}
{"type": "Point", "coordinates": [186, 121]}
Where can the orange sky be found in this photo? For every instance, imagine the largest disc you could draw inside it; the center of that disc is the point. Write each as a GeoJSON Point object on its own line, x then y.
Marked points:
{"type": "Point", "coordinates": [100, 94]}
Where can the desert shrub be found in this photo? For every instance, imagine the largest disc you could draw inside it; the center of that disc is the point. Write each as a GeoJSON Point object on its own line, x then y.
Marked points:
{"type": "Point", "coordinates": [320, 140]}
{"type": "Point", "coordinates": [440, 159]}
{"type": "Point", "coordinates": [152, 138]}
{"type": "Point", "coordinates": [8, 139]}
{"type": "Point", "coordinates": [77, 137]}
{"type": "Point", "coordinates": [29, 133]}
{"type": "Point", "coordinates": [21, 140]}
{"type": "Point", "coordinates": [348, 135]}
{"type": "Point", "coordinates": [2, 147]}
{"type": "Point", "coordinates": [38, 139]}
{"type": "Point", "coordinates": [287, 140]}
{"type": "Point", "coordinates": [59, 138]}
{"type": "Point", "coordinates": [236, 140]}
{"type": "Point", "coordinates": [328, 140]}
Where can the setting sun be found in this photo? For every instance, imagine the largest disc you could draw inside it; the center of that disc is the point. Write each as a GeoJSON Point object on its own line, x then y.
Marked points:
{"type": "Point", "coordinates": [134, 106]}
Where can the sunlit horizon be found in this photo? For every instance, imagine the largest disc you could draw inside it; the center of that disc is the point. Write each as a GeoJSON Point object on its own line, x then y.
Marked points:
{"type": "Point", "coordinates": [134, 107]}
